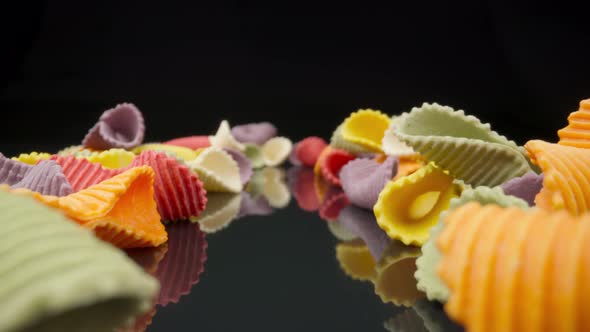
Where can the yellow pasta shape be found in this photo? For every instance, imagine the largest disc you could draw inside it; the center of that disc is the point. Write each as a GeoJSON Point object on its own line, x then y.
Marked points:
{"type": "Point", "coordinates": [181, 152]}
{"type": "Point", "coordinates": [32, 158]}
{"type": "Point", "coordinates": [366, 128]}
{"type": "Point", "coordinates": [408, 207]}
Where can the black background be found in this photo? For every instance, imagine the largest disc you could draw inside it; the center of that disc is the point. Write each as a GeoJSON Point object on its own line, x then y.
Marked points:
{"type": "Point", "coordinates": [303, 65]}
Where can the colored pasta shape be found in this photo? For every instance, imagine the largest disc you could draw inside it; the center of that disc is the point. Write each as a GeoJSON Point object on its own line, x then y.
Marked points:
{"type": "Point", "coordinates": [185, 154]}
{"type": "Point", "coordinates": [461, 144]}
{"type": "Point", "coordinates": [363, 179]}
{"type": "Point", "coordinates": [308, 150]}
{"type": "Point", "coordinates": [244, 165]}
{"type": "Point", "coordinates": [255, 133]}
{"type": "Point", "coordinates": [407, 208]}
{"type": "Point", "coordinates": [331, 162]}
{"type": "Point", "coordinates": [191, 142]}
{"type": "Point", "coordinates": [366, 128]}
{"type": "Point", "coordinates": [218, 171]}
{"type": "Point", "coordinates": [45, 260]}
{"type": "Point", "coordinates": [428, 280]}
{"type": "Point", "coordinates": [120, 210]}
{"type": "Point", "coordinates": [224, 139]}
{"type": "Point", "coordinates": [46, 178]}
{"type": "Point", "coordinates": [120, 127]}
{"type": "Point", "coordinates": [510, 269]}
{"type": "Point", "coordinates": [566, 181]}
{"type": "Point", "coordinates": [525, 187]}
{"type": "Point", "coordinates": [32, 158]}
{"type": "Point", "coordinates": [178, 192]}
{"type": "Point", "coordinates": [577, 132]}
{"type": "Point", "coordinates": [276, 150]}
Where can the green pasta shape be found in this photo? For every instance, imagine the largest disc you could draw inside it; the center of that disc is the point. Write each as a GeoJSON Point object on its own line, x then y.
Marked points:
{"type": "Point", "coordinates": [428, 280]}
{"type": "Point", "coordinates": [53, 272]}
{"type": "Point", "coordinates": [470, 150]}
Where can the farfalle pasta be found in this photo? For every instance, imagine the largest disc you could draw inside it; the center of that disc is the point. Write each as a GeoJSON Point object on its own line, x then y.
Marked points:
{"type": "Point", "coordinates": [407, 208]}
{"type": "Point", "coordinates": [566, 181]}
{"type": "Point", "coordinates": [514, 270]}
{"type": "Point", "coordinates": [461, 144]}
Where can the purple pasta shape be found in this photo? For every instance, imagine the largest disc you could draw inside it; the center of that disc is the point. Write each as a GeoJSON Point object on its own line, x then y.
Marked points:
{"type": "Point", "coordinates": [525, 187]}
{"type": "Point", "coordinates": [120, 127]}
{"type": "Point", "coordinates": [363, 179]}
{"type": "Point", "coordinates": [243, 163]}
{"type": "Point", "coordinates": [250, 206]}
{"type": "Point", "coordinates": [12, 171]}
{"type": "Point", "coordinates": [363, 224]}
{"type": "Point", "coordinates": [46, 178]}
{"type": "Point", "coordinates": [257, 133]}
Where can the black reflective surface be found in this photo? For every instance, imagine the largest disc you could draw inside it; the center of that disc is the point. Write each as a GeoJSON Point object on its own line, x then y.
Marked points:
{"type": "Point", "coordinates": [264, 268]}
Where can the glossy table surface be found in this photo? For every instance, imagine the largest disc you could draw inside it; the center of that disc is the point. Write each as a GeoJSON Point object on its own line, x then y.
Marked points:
{"type": "Point", "coordinates": [263, 268]}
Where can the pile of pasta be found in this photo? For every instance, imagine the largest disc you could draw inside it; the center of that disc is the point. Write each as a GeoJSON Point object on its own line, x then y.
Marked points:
{"type": "Point", "coordinates": [59, 210]}
{"type": "Point", "coordinates": [501, 227]}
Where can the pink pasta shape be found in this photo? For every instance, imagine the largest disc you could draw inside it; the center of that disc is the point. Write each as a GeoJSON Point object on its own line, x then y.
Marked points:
{"type": "Point", "coordinates": [191, 142]}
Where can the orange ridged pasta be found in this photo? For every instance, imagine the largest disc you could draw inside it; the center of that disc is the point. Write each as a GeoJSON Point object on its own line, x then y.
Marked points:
{"type": "Point", "coordinates": [120, 210]}
{"type": "Point", "coordinates": [566, 182]}
{"type": "Point", "coordinates": [577, 132]}
{"type": "Point", "coordinates": [514, 270]}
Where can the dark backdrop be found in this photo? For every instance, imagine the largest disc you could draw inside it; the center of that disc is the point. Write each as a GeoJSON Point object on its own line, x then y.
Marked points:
{"type": "Point", "coordinates": [304, 66]}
